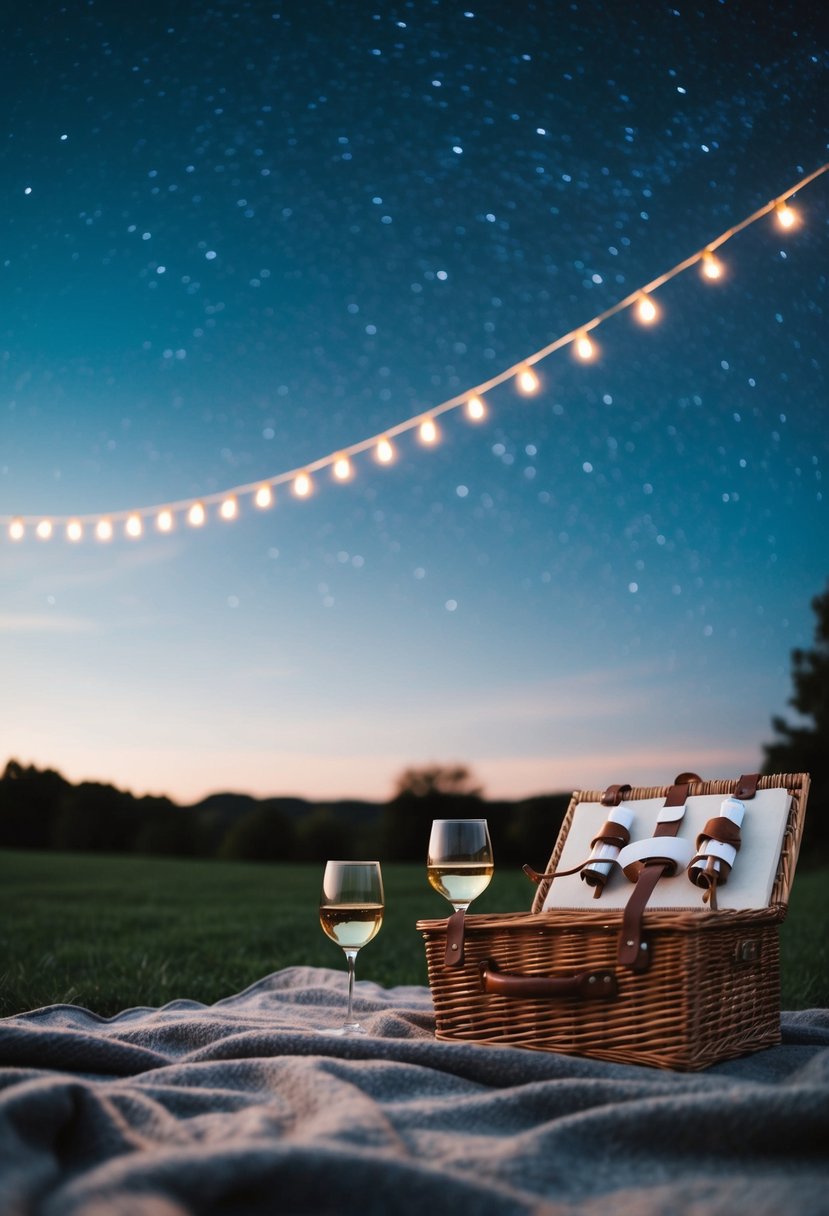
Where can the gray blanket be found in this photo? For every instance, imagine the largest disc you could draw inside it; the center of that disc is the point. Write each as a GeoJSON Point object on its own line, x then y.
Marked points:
{"type": "Point", "coordinates": [243, 1108]}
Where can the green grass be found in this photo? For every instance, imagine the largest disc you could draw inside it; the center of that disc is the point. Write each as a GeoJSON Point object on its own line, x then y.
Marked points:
{"type": "Point", "coordinates": [112, 932]}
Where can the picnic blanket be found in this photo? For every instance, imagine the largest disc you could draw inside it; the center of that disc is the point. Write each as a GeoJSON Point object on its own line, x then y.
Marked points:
{"type": "Point", "coordinates": [243, 1107]}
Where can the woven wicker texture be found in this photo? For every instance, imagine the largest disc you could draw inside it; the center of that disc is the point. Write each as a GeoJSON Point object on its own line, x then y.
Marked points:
{"type": "Point", "coordinates": [711, 991]}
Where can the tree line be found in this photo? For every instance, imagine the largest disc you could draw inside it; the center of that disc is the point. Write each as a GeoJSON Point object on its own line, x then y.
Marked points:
{"type": "Point", "coordinates": [40, 809]}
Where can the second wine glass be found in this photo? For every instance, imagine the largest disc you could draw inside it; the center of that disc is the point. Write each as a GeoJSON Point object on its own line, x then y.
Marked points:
{"type": "Point", "coordinates": [459, 863]}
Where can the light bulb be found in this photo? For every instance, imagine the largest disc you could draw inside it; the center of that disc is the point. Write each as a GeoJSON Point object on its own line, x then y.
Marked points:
{"type": "Point", "coordinates": [428, 431]}
{"type": "Point", "coordinates": [646, 310]}
{"type": "Point", "coordinates": [302, 485]}
{"type": "Point", "coordinates": [74, 531]}
{"type": "Point", "coordinates": [584, 347]}
{"type": "Point", "coordinates": [164, 521]}
{"type": "Point", "coordinates": [196, 515]}
{"type": "Point", "coordinates": [342, 468]}
{"type": "Point", "coordinates": [786, 215]}
{"type": "Point", "coordinates": [528, 381]}
{"type": "Point", "coordinates": [263, 497]}
{"type": "Point", "coordinates": [16, 529]}
{"type": "Point", "coordinates": [44, 529]}
{"type": "Point", "coordinates": [475, 408]}
{"type": "Point", "coordinates": [711, 267]}
{"type": "Point", "coordinates": [384, 452]}
{"type": "Point", "coordinates": [103, 529]}
{"type": "Point", "coordinates": [134, 526]}
{"type": "Point", "coordinates": [229, 508]}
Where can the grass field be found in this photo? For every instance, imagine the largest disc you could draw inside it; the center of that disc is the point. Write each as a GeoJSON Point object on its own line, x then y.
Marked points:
{"type": "Point", "coordinates": [112, 932]}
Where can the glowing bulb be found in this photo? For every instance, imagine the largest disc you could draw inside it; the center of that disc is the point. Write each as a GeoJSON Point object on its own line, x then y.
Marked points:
{"type": "Point", "coordinates": [528, 381]}
{"type": "Point", "coordinates": [385, 452]}
{"type": "Point", "coordinates": [584, 347]}
{"type": "Point", "coordinates": [711, 267]}
{"type": "Point", "coordinates": [103, 529]}
{"type": "Point", "coordinates": [428, 431]}
{"type": "Point", "coordinates": [44, 529]}
{"type": "Point", "coordinates": [475, 408]}
{"type": "Point", "coordinates": [16, 529]}
{"type": "Point", "coordinates": [74, 531]}
{"type": "Point", "coordinates": [134, 527]}
{"type": "Point", "coordinates": [342, 468]}
{"type": "Point", "coordinates": [263, 497]}
{"type": "Point", "coordinates": [164, 521]}
{"type": "Point", "coordinates": [229, 508]}
{"type": "Point", "coordinates": [786, 215]}
{"type": "Point", "coordinates": [196, 515]}
{"type": "Point", "coordinates": [302, 485]}
{"type": "Point", "coordinates": [646, 310]}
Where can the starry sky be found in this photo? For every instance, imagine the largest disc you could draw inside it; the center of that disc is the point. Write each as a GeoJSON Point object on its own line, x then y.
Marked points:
{"type": "Point", "coordinates": [237, 237]}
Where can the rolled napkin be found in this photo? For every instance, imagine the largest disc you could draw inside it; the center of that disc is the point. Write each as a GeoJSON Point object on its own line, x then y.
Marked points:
{"type": "Point", "coordinates": [605, 847]}
{"type": "Point", "coordinates": [717, 846]}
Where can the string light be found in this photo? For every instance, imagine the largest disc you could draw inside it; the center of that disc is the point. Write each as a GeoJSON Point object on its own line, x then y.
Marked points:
{"type": "Point", "coordinates": [384, 452]}
{"type": "Point", "coordinates": [646, 310]}
{"type": "Point", "coordinates": [522, 374]}
{"type": "Point", "coordinates": [584, 347]}
{"type": "Point", "coordinates": [711, 267]}
{"type": "Point", "coordinates": [528, 381]}
{"type": "Point", "coordinates": [786, 215]}
{"type": "Point", "coordinates": [475, 409]}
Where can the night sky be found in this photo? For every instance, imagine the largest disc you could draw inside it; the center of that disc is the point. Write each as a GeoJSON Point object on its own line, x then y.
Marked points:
{"type": "Point", "coordinates": [240, 236]}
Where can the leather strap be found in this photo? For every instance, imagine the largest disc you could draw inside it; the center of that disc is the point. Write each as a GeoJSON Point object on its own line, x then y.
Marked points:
{"type": "Point", "coordinates": [454, 939]}
{"type": "Point", "coordinates": [614, 794]}
{"type": "Point", "coordinates": [723, 829]}
{"type": "Point", "coordinates": [747, 787]}
{"type": "Point", "coordinates": [610, 833]}
{"type": "Point", "coordinates": [633, 951]}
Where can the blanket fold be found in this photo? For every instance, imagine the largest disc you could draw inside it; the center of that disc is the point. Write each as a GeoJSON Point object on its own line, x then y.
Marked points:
{"type": "Point", "coordinates": [245, 1107]}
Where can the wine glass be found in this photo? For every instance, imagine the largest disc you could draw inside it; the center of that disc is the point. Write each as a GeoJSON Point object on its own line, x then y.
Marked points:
{"type": "Point", "coordinates": [351, 913]}
{"type": "Point", "coordinates": [460, 864]}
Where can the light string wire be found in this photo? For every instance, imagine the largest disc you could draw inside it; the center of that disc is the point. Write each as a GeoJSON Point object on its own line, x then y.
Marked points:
{"type": "Point", "coordinates": [262, 489]}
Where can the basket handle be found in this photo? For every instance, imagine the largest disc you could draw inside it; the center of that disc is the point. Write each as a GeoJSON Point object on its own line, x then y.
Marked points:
{"type": "Point", "coordinates": [599, 984]}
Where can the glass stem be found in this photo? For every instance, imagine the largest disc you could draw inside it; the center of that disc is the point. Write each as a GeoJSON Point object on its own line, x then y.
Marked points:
{"type": "Point", "coordinates": [351, 955]}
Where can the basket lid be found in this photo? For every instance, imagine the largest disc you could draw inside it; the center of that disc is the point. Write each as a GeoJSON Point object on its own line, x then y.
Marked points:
{"type": "Point", "coordinates": [762, 872]}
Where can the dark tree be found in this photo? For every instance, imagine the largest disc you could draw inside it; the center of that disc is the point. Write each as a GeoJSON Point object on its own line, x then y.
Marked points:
{"type": "Point", "coordinates": [453, 780]}
{"type": "Point", "coordinates": [30, 801]}
{"type": "Point", "coordinates": [421, 795]}
{"type": "Point", "coordinates": [803, 747]}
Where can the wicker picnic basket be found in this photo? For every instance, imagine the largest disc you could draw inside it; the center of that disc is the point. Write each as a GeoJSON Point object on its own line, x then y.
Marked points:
{"type": "Point", "coordinates": [552, 981]}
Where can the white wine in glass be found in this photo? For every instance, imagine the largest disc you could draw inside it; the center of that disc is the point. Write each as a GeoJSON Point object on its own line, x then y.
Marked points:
{"type": "Point", "coordinates": [351, 913]}
{"type": "Point", "coordinates": [459, 864]}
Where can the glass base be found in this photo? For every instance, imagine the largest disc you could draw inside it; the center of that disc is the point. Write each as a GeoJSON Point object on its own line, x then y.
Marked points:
{"type": "Point", "coordinates": [348, 1028]}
